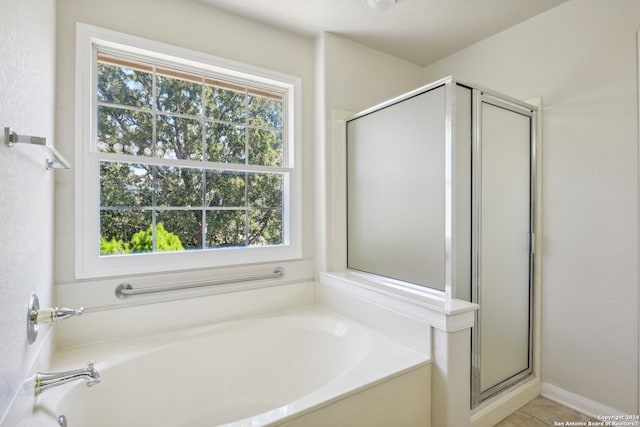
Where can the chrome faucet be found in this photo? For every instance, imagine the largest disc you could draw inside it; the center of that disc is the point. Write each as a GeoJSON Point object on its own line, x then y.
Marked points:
{"type": "Point", "coordinates": [45, 381]}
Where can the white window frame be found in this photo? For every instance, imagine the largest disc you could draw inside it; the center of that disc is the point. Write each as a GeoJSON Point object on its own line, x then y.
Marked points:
{"type": "Point", "coordinates": [89, 263]}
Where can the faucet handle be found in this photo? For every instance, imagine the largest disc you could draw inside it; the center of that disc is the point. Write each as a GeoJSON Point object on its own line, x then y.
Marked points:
{"type": "Point", "coordinates": [94, 375]}
{"type": "Point", "coordinates": [36, 316]}
{"type": "Point", "coordinates": [52, 315]}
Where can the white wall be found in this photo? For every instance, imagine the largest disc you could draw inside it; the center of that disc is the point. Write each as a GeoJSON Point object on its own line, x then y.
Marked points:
{"type": "Point", "coordinates": [357, 77]}
{"type": "Point", "coordinates": [189, 25]}
{"type": "Point", "coordinates": [581, 58]}
{"type": "Point", "coordinates": [27, 43]}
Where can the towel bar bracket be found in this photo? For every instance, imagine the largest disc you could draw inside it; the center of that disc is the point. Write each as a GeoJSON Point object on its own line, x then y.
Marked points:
{"type": "Point", "coordinates": [58, 162]}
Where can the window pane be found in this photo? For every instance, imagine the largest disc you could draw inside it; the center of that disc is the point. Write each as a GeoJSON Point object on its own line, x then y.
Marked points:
{"type": "Point", "coordinates": [265, 227]}
{"type": "Point", "coordinates": [265, 147]}
{"type": "Point", "coordinates": [225, 189]}
{"type": "Point", "coordinates": [178, 138]}
{"type": "Point", "coordinates": [179, 96]}
{"type": "Point", "coordinates": [179, 187]}
{"type": "Point", "coordinates": [157, 111]}
{"type": "Point", "coordinates": [265, 112]}
{"type": "Point", "coordinates": [184, 226]}
{"type": "Point", "coordinates": [225, 143]}
{"type": "Point", "coordinates": [264, 190]}
{"type": "Point", "coordinates": [118, 228]}
{"type": "Point", "coordinates": [224, 104]}
{"type": "Point", "coordinates": [124, 131]}
{"type": "Point", "coordinates": [124, 184]}
{"type": "Point", "coordinates": [226, 228]}
{"type": "Point", "coordinates": [124, 86]}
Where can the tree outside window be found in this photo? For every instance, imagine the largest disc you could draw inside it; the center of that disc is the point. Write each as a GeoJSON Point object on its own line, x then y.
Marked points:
{"type": "Point", "coordinates": [188, 161]}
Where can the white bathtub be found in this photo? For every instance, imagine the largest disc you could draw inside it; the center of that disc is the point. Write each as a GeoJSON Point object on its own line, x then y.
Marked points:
{"type": "Point", "coordinates": [304, 367]}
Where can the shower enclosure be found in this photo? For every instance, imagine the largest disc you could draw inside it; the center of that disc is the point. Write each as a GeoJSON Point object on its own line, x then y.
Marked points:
{"type": "Point", "coordinates": [440, 195]}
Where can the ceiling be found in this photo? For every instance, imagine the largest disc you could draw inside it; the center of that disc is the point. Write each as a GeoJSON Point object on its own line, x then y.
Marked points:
{"type": "Point", "coordinates": [419, 31]}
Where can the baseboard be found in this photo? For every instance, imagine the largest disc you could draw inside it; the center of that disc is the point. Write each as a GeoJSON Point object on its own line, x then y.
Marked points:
{"type": "Point", "coordinates": [504, 404]}
{"type": "Point", "coordinates": [574, 401]}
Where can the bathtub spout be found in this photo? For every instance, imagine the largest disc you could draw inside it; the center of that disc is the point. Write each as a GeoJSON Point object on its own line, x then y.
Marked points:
{"type": "Point", "coordinates": [45, 381]}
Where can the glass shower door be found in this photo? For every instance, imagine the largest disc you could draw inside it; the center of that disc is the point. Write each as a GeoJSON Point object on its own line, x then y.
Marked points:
{"type": "Point", "coordinates": [503, 235]}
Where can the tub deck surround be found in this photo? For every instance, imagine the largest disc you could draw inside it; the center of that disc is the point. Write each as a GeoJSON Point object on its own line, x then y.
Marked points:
{"type": "Point", "coordinates": [422, 305]}
{"type": "Point", "coordinates": [446, 314]}
{"type": "Point", "coordinates": [420, 319]}
{"type": "Point", "coordinates": [260, 371]}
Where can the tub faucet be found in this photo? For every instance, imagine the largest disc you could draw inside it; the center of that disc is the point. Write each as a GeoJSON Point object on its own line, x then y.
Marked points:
{"type": "Point", "coordinates": [45, 381]}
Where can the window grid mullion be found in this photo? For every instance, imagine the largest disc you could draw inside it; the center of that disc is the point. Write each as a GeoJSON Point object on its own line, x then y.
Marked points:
{"type": "Point", "coordinates": [246, 161]}
{"type": "Point", "coordinates": [203, 172]}
{"type": "Point", "coordinates": [200, 117]}
{"type": "Point", "coordinates": [154, 168]}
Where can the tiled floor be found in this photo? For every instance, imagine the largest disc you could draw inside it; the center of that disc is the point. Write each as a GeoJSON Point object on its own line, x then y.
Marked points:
{"type": "Point", "coordinates": [542, 412]}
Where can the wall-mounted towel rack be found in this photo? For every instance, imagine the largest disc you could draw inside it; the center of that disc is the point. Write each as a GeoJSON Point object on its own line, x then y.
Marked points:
{"type": "Point", "coordinates": [58, 161]}
{"type": "Point", "coordinates": [125, 290]}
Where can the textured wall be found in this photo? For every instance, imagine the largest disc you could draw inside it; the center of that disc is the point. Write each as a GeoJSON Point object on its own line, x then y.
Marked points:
{"type": "Point", "coordinates": [27, 44]}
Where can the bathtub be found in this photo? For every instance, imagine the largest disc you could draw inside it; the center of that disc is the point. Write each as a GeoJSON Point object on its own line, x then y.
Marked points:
{"type": "Point", "coordinates": [307, 367]}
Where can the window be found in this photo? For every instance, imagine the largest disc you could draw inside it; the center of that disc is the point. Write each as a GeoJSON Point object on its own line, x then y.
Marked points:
{"type": "Point", "coordinates": [186, 163]}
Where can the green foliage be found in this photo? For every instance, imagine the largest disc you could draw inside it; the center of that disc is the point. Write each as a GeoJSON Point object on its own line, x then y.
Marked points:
{"type": "Point", "coordinates": [142, 241]}
{"type": "Point", "coordinates": [209, 208]}
{"type": "Point", "coordinates": [113, 246]}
